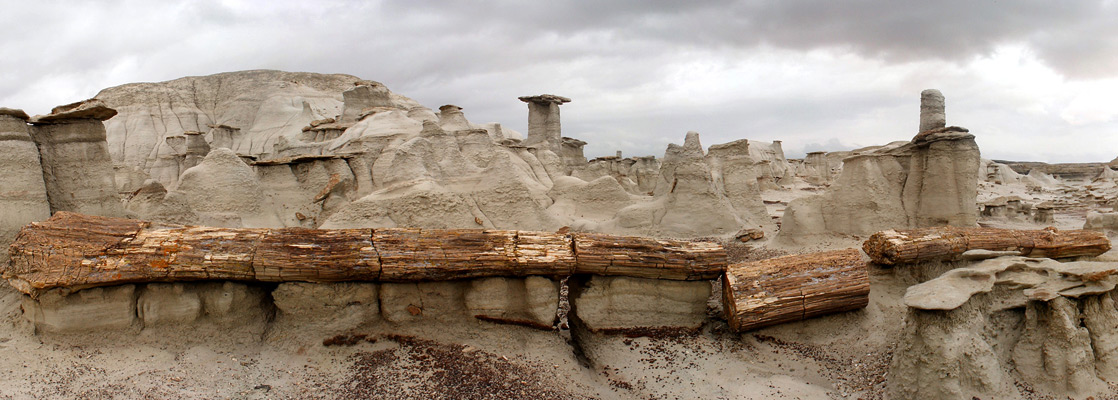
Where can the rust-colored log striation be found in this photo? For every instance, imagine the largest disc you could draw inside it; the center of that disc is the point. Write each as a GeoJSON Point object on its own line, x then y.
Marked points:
{"type": "Point", "coordinates": [792, 288]}
{"type": "Point", "coordinates": [77, 251]}
{"type": "Point", "coordinates": [409, 255]}
{"type": "Point", "coordinates": [641, 257]}
{"type": "Point", "coordinates": [948, 243]}
{"type": "Point", "coordinates": [316, 255]}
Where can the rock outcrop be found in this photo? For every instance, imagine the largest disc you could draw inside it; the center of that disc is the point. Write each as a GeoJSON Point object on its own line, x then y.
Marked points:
{"type": "Point", "coordinates": [23, 196]}
{"type": "Point", "coordinates": [337, 151]}
{"type": "Point", "coordinates": [247, 111]}
{"type": "Point", "coordinates": [932, 110]}
{"type": "Point", "coordinates": [77, 168]}
{"type": "Point", "coordinates": [975, 330]}
{"type": "Point", "coordinates": [543, 121]}
{"type": "Point", "coordinates": [930, 181]}
{"type": "Point", "coordinates": [622, 304]}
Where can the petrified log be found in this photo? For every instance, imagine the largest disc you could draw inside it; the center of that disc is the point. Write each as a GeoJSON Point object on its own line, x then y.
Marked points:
{"type": "Point", "coordinates": [409, 255]}
{"type": "Point", "coordinates": [949, 243]}
{"type": "Point", "coordinates": [793, 288]}
{"type": "Point", "coordinates": [77, 251]}
{"type": "Point", "coordinates": [641, 257]}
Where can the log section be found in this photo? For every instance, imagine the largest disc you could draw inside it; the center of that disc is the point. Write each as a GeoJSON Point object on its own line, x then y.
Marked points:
{"type": "Point", "coordinates": [948, 243]}
{"type": "Point", "coordinates": [641, 257]}
{"type": "Point", "coordinates": [77, 251]}
{"type": "Point", "coordinates": [793, 288]}
{"type": "Point", "coordinates": [410, 255]}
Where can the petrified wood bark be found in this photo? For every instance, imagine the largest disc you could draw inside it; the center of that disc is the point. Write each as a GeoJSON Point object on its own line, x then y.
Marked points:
{"type": "Point", "coordinates": [409, 255]}
{"type": "Point", "coordinates": [948, 243]}
{"type": "Point", "coordinates": [792, 288]}
{"type": "Point", "coordinates": [76, 251]}
{"type": "Point", "coordinates": [641, 257]}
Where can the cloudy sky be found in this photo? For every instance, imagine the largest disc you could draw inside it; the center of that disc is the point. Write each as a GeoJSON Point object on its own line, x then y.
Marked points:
{"type": "Point", "coordinates": [1032, 79]}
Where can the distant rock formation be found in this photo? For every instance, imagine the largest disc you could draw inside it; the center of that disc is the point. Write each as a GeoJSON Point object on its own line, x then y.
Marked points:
{"type": "Point", "coordinates": [932, 110]}
{"type": "Point", "coordinates": [247, 111]}
{"type": "Point", "coordinates": [1082, 172]}
{"type": "Point", "coordinates": [337, 151]}
{"type": "Point", "coordinates": [929, 181]}
{"type": "Point", "coordinates": [543, 120]}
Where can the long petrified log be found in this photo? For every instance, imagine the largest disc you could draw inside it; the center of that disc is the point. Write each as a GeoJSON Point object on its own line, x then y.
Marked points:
{"type": "Point", "coordinates": [77, 251]}
{"type": "Point", "coordinates": [949, 243]}
{"type": "Point", "coordinates": [793, 288]}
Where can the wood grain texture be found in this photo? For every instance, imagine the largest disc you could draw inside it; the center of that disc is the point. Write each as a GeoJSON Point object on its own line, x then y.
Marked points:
{"type": "Point", "coordinates": [642, 257]}
{"type": "Point", "coordinates": [793, 288]}
{"type": "Point", "coordinates": [949, 243]}
{"type": "Point", "coordinates": [77, 251]}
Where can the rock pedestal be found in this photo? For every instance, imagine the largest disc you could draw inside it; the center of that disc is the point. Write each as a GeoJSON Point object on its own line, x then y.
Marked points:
{"type": "Point", "coordinates": [77, 170]}
{"type": "Point", "coordinates": [543, 120]}
{"type": "Point", "coordinates": [222, 136]}
{"type": "Point", "coordinates": [367, 95]}
{"type": "Point", "coordinates": [23, 195]}
{"type": "Point", "coordinates": [932, 114]}
{"type": "Point", "coordinates": [196, 149]}
{"type": "Point", "coordinates": [942, 180]}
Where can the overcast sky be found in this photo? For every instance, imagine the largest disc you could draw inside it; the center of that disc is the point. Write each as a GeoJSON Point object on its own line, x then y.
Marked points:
{"type": "Point", "coordinates": [1032, 79]}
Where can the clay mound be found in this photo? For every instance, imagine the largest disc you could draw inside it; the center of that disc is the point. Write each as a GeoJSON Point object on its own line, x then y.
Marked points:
{"type": "Point", "coordinates": [256, 108]}
{"type": "Point", "coordinates": [224, 191]}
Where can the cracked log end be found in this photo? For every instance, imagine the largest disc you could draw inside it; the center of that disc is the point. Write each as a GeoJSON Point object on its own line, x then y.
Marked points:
{"type": "Point", "coordinates": [793, 288]}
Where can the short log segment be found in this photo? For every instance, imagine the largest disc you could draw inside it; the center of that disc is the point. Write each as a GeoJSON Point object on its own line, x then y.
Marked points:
{"type": "Point", "coordinates": [78, 251]}
{"type": "Point", "coordinates": [641, 257]}
{"type": "Point", "coordinates": [792, 288]}
{"type": "Point", "coordinates": [949, 243]}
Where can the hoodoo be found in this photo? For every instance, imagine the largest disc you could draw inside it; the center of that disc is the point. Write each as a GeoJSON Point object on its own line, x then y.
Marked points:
{"type": "Point", "coordinates": [77, 169]}
{"type": "Point", "coordinates": [23, 195]}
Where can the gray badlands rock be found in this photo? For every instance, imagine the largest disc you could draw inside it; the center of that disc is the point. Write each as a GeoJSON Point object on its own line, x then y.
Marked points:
{"type": "Point", "coordinates": [23, 196]}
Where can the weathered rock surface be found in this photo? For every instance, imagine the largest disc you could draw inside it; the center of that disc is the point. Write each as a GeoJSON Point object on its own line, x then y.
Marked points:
{"type": "Point", "coordinates": [974, 330]}
{"type": "Point", "coordinates": [620, 304]}
{"type": "Point", "coordinates": [110, 308]}
{"type": "Point", "coordinates": [931, 181]}
{"type": "Point", "coordinates": [1102, 221]}
{"type": "Point", "coordinates": [932, 114]}
{"type": "Point", "coordinates": [410, 302]}
{"type": "Point", "coordinates": [223, 191]}
{"type": "Point", "coordinates": [327, 306]}
{"type": "Point", "coordinates": [23, 195]}
{"type": "Point", "coordinates": [246, 111]}
{"type": "Point", "coordinates": [77, 168]}
{"type": "Point", "coordinates": [336, 151]}
{"type": "Point", "coordinates": [944, 355]}
{"type": "Point", "coordinates": [531, 301]}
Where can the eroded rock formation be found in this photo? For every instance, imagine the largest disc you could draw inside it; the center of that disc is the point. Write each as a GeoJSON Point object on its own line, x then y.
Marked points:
{"type": "Point", "coordinates": [77, 168]}
{"type": "Point", "coordinates": [930, 181]}
{"type": "Point", "coordinates": [23, 196]}
{"type": "Point", "coordinates": [976, 330]}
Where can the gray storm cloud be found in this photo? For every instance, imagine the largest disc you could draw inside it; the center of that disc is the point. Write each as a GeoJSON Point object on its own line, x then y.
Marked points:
{"type": "Point", "coordinates": [640, 73]}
